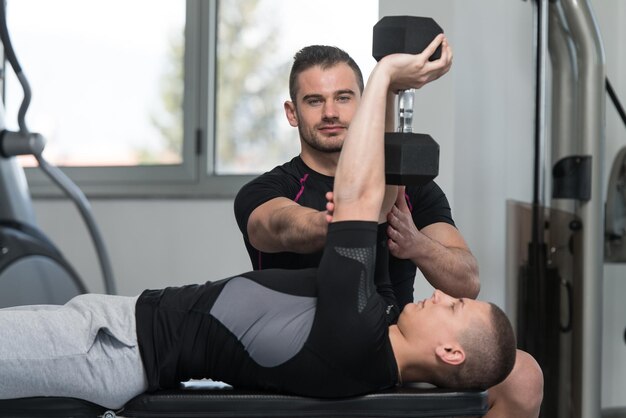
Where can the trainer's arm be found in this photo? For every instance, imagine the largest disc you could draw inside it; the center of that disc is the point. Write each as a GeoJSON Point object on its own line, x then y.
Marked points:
{"type": "Point", "coordinates": [438, 250]}
{"type": "Point", "coordinates": [446, 261]}
{"type": "Point", "coordinates": [281, 224]}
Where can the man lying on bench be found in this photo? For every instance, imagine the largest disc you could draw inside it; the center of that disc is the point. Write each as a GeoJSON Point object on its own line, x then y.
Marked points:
{"type": "Point", "coordinates": [316, 332]}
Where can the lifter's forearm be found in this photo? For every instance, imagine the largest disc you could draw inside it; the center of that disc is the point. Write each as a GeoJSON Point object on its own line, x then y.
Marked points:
{"type": "Point", "coordinates": [360, 178]}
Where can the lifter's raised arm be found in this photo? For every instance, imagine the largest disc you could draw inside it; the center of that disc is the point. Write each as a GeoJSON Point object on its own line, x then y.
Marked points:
{"type": "Point", "coordinates": [360, 178]}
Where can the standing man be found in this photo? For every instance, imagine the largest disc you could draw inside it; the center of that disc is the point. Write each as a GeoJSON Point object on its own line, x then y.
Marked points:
{"type": "Point", "coordinates": [283, 217]}
{"type": "Point", "coordinates": [282, 214]}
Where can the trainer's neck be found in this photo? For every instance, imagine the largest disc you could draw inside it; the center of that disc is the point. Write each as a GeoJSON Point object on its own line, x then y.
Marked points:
{"type": "Point", "coordinates": [323, 163]}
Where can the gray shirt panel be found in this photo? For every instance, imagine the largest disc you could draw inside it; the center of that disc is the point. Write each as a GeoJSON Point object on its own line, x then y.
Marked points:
{"type": "Point", "coordinates": [273, 326]}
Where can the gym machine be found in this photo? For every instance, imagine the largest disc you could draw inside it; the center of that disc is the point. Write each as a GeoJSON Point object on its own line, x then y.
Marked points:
{"type": "Point", "coordinates": [556, 279]}
{"type": "Point", "coordinates": [32, 269]}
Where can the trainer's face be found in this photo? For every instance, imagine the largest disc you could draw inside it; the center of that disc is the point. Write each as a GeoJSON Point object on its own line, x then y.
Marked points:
{"type": "Point", "coordinates": [325, 105]}
{"type": "Point", "coordinates": [441, 316]}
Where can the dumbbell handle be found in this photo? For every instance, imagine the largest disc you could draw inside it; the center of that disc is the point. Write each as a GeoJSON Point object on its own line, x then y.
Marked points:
{"type": "Point", "coordinates": [405, 110]}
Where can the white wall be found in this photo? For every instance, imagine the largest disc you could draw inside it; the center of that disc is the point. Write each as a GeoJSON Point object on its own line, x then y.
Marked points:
{"type": "Point", "coordinates": [152, 243]}
{"type": "Point", "coordinates": [482, 116]}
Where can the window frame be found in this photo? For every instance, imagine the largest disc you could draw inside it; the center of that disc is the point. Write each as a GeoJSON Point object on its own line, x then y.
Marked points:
{"type": "Point", "coordinates": [195, 177]}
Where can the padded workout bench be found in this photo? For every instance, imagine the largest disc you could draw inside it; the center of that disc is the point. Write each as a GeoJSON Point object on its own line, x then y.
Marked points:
{"type": "Point", "coordinates": [208, 399]}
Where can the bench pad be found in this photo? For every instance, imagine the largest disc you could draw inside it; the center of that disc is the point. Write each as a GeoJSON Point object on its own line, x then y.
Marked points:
{"type": "Point", "coordinates": [207, 399]}
{"type": "Point", "coordinates": [201, 400]}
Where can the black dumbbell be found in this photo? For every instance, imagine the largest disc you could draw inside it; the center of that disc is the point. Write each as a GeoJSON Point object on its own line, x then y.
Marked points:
{"type": "Point", "coordinates": [410, 158]}
{"type": "Point", "coordinates": [405, 34]}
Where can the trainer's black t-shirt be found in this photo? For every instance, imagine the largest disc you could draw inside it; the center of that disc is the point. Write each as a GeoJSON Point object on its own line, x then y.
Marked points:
{"type": "Point", "coordinates": [314, 332]}
{"type": "Point", "coordinates": [295, 181]}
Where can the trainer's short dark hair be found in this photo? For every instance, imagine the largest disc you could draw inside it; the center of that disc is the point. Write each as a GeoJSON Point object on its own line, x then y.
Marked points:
{"type": "Point", "coordinates": [323, 56]}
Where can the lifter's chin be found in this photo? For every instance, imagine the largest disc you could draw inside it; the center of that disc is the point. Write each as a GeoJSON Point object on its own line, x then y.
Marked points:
{"type": "Point", "coordinates": [410, 308]}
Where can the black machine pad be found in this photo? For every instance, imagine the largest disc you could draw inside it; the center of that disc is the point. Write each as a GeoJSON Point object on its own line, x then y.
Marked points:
{"type": "Point", "coordinates": [208, 399]}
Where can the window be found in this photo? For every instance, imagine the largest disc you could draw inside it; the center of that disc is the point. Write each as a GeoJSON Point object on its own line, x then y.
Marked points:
{"type": "Point", "coordinates": [168, 98]}
{"type": "Point", "coordinates": [255, 49]}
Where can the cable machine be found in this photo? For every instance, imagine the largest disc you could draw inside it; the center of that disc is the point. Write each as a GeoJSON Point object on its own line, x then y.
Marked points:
{"type": "Point", "coordinates": [32, 269]}
{"type": "Point", "coordinates": [556, 264]}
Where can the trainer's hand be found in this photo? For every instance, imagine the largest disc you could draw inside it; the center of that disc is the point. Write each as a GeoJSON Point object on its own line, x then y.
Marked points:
{"type": "Point", "coordinates": [414, 71]}
{"type": "Point", "coordinates": [402, 232]}
{"type": "Point", "coordinates": [330, 207]}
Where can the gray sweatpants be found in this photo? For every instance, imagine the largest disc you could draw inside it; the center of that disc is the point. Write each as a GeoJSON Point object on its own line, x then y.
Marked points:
{"type": "Point", "coordinates": [84, 349]}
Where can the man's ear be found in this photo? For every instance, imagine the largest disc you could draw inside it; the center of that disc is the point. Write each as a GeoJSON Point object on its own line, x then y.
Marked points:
{"type": "Point", "coordinates": [290, 112]}
{"type": "Point", "coordinates": [450, 353]}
